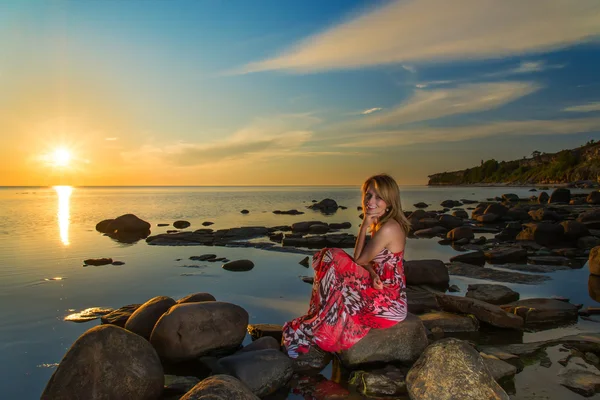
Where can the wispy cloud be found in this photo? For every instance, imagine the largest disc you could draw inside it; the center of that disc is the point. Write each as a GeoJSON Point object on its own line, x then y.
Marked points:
{"type": "Point", "coordinates": [110, 139]}
{"type": "Point", "coordinates": [400, 137]}
{"type": "Point", "coordinates": [371, 110]}
{"type": "Point", "coordinates": [526, 67]}
{"type": "Point", "coordinates": [431, 104]}
{"type": "Point", "coordinates": [590, 107]}
{"type": "Point", "coordinates": [416, 31]}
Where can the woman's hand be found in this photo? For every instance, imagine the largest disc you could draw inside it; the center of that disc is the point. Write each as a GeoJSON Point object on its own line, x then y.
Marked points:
{"type": "Point", "coordinates": [376, 281]}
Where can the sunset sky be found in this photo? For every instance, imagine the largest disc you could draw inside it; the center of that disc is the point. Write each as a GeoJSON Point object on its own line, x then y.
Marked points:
{"type": "Point", "coordinates": [241, 92]}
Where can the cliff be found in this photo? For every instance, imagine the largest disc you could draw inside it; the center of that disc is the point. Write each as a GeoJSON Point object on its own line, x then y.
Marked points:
{"type": "Point", "coordinates": [579, 164]}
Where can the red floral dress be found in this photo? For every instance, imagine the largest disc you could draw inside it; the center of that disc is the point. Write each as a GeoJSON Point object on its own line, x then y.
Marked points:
{"type": "Point", "coordinates": [344, 306]}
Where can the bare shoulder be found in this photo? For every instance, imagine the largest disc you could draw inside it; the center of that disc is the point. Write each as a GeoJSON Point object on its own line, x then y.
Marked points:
{"type": "Point", "coordinates": [392, 228]}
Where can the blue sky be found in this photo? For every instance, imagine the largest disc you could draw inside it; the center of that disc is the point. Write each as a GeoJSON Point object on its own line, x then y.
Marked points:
{"type": "Point", "coordinates": [209, 92]}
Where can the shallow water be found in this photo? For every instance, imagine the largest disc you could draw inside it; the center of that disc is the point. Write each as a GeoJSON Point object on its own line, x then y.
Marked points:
{"type": "Point", "coordinates": [45, 233]}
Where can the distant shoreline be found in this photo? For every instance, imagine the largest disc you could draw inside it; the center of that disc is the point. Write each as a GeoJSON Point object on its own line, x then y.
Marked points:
{"type": "Point", "coordinates": [550, 185]}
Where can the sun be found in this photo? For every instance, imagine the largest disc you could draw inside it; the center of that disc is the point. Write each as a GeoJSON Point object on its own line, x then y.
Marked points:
{"type": "Point", "coordinates": [61, 157]}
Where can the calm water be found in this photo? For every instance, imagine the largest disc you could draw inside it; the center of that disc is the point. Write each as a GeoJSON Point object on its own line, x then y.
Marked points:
{"type": "Point", "coordinates": [45, 233]}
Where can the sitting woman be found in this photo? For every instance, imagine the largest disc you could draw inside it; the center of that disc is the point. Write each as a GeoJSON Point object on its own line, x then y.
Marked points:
{"type": "Point", "coordinates": [352, 295]}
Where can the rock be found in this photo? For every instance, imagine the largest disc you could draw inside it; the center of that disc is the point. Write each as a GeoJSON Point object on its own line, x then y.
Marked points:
{"type": "Point", "coordinates": [453, 289]}
{"type": "Point", "coordinates": [487, 218]}
{"type": "Point", "coordinates": [403, 343]}
{"type": "Point", "coordinates": [474, 258]}
{"type": "Point", "coordinates": [107, 362]}
{"type": "Point", "coordinates": [496, 209]}
{"type": "Point", "coordinates": [421, 205]}
{"type": "Point", "coordinates": [463, 232]}
{"type": "Point", "coordinates": [203, 257]}
{"type": "Point", "coordinates": [431, 232]}
{"type": "Point", "coordinates": [257, 331]}
{"type": "Point", "coordinates": [518, 214]}
{"type": "Point", "coordinates": [420, 301]}
{"type": "Point", "coordinates": [573, 230]}
{"type": "Point", "coordinates": [450, 222]}
{"type": "Point", "coordinates": [509, 197]}
{"type": "Point", "coordinates": [245, 211]}
{"type": "Point", "coordinates": [119, 316]}
{"type": "Point", "coordinates": [594, 261]}
{"type": "Point", "coordinates": [142, 321]}
{"type": "Point", "coordinates": [560, 195]}
{"type": "Point", "coordinates": [543, 198]}
{"type": "Point", "coordinates": [326, 206]}
{"type": "Point", "coordinates": [388, 381]}
{"type": "Point", "coordinates": [190, 330]}
{"type": "Point", "coordinates": [593, 198]}
{"type": "Point", "coordinates": [449, 322]}
{"type": "Point", "coordinates": [450, 203]}
{"type": "Point", "coordinates": [594, 287]}
{"type": "Point", "coordinates": [451, 369]}
{"type": "Point", "coordinates": [542, 233]}
{"type": "Point", "coordinates": [584, 342]}
{"type": "Point", "coordinates": [493, 294]}
{"type": "Point", "coordinates": [207, 223]}
{"type": "Point", "coordinates": [262, 343]}
{"type": "Point", "coordinates": [591, 219]}
{"type": "Point", "coordinates": [542, 214]}
{"type": "Point", "coordinates": [473, 271]}
{"type": "Point", "coordinates": [343, 225]}
{"type": "Point", "coordinates": [305, 226]}
{"type": "Point", "coordinates": [313, 361]}
{"type": "Point", "coordinates": [498, 368]}
{"type": "Point", "coordinates": [89, 314]}
{"type": "Point", "coordinates": [220, 387]}
{"type": "Point", "coordinates": [181, 224]}
{"type": "Point", "coordinates": [127, 223]}
{"type": "Point", "coordinates": [103, 225]}
{"type": "Point", "coordinates": [503, 255]}
{"type": "Point", "coordinates": [549, 260]}
{"type": "Point", "coordinates": [97, 261]}
{"type": "Point", "coordinates": [460, 214]}
{"type": "Point", "coordinates": [305, 262]}
{"type": "Point", "coordinates": [483, 311]}
{"type": "Point", "coordinates": [587, 242]}
{"type": "Point", "coordinates": [288, 212]}
{"type": "Point", "coordinates": [179, 384]}
{"type": "Point", "coordinates": [196, 298]}
{"type": "Point", "coordinates": [426, 272]}
{"type": "Point", "coordinates": [537, 312]}
{"type": "Point", "coordinates": [536, 268]}
{"type": "Point", "coordinates": [580, 377]}
{"type": "Point", "coordinates": [318, 228]}
{"type": "Point", "coordinates": [263, 371]}
{"type": "Point", "coordinates": [238, 265]}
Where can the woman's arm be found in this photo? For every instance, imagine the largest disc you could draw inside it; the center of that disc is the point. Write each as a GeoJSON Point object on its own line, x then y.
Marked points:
{"type": "Point", "coordinates": [360, 240]}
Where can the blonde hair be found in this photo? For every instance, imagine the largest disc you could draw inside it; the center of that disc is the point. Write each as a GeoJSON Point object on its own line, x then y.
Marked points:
{"type": "Point", "coordinates": [386, 187]}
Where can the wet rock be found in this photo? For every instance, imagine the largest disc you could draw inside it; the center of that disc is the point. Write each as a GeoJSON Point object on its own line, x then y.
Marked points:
{"type": "Point", "coordinates": [107, 362]}
{"type": "Point", "coordinates": [244, 211]}
{"type": "Point", "coordinates": [452, 369]}
{"type": "Point", "coordinates": [257, 331]}
{"type": "Point", "coordinates": [584, 342]}
{"type": "Point", "coordinates": [483, 311]}
{"type": "Point", "coordinates": [403, 343]}
{"type": "Point", "coordinates": [181, 224]}
{"type": "Point", "coordinates": [196, 298]}
{"type": "Point", "coordinates": [262, 343]}
{"type": "Point", "coordinates": [487, 218]}
{"type": "Point", "coordinates": [450, 203]}
{"type": "Point", "coordinates": [591, 219]}
{"type": "Point", "coordinates": [89, 314]}
{"type": "Point", "coordinates": [549, 260]}
{"type": "Point", "coordinates": [449, 322]}
{"type": "Point", "coordinates": [543, 214]}
{"type": "Point", "coordinates": [326, 206]}
{"type": "Point", "coordinates": [307, 279]}
{"type": "Point", "coordinates": [503, 255]}
{"type": "Point", "coordinates": [288, 212]}
{"type": "Point", "coordinates": [542, 233]}
{"type": "Point", "coordinates": [421, 205]}
{"type": "Point", "coordinates": [388, 381]}
{"type": "Point", "coordinates": [305, 225]}
{"type": "Point", "coordinates": [594, 261]}
{"type": "Point", "coordinates": [97, 261]}
{"type": "Point", "coordinates": [573, 230]}
{"type": "Point", "coordinates": [535, 268]}
{"type": "Point", "coordinates": [342, 225]}
{"type": "Point", "coordinates": [537, 312]}
{"type": "Point", "coordinates": [239, 265]}
{"type": "Point", "coordinates": [431, 232]}
{"type": "Point", "coordinates": [474, 258]}
{"type": "Point", "coordinates": [453, 289]}
{"type": "Point", "coordinates": [263, 371]}
{"type": "Point", "coordinates": [580, 378]}
{"type": "Point", "coordinates": [493, 294]}
{"type": "Point", "coordinates": [190, 330]}
{"type": "Point", "coordinates": [496, 209]}
{"type": "Point", "coordinates": [426, 272]}
{"type": "Point", "coordinates": [103, 225]}
{"type": "Point", "coordinates": [587, 242]}
{"type": "Point", "coordinates": [473, 271]}
{"type": "Point", "coordinates": [119, 316]}
{"type": "Point", "coordinates": [142, 321]}
{"type": "Point", "coordinates": [510, 197]}
{"type": "Point", "coordinates": [203, 257]}
{"type": "Point", "coordinates": [207, 223]}
{"type": "Point", "coordinates": [593, 198]}
{"type": "Point", "coordinates": [178, 385]}
{"type": "Point", "coordinates": [518, 214]}
{"type": "Point", "coordinates": [127, 223]}
{"type": "Point", "coordinates": [560, 195]}
{"type": "Point", "coordinates": [220, 387]}
{"type": "Point", "coordinates": [313, 361]}
{"type": "Point", "coordinates": [421, 301]}
{"type": "Point", "coordinates": [460, 214]}
{"type": "Point", "coordinates": [305, 262]}
{"type": "Point", "coordinates": [318, 228]}
{"type": "Point", "coordinates": [463, 232]}
{"type": "Point", "coordinates": [499, 369]}
{"type": "Point", "coordinates": [543, 198]}
{"type": "Point", "coordinates": [450, 222]}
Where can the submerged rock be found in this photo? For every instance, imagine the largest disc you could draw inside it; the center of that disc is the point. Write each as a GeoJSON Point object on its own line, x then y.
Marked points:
{"type": "Point", "coordinates": [120, 316]}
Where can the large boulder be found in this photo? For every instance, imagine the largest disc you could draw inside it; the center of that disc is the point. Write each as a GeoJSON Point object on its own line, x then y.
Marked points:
{"type": "Point", "coordinates": [326, 206]}
{"type": "Point", "coordinates": [107, 362]}
{"type": "Point", "coordinates": [594, 261]}
{"type": "Point", "coordinates": [128, 223]}
{"type": "Point", "coordinates": [426, 272]}
{"type": "Point", "coordinates": [142, 321]}
{"type": "Point", "coordinates": [449, 221]}
{"type": "Point", "coordinates": [220, 387]}
{"type": "Point", "coordinates": [542, 233]}
{"type": "Point", "coordinates": [451, 369]}
{"type": "Point", "coordinates": [496, 209]}
{"type": "Point", "coordinates": [263, 371]}
{"type": "Point", "coordinates": [543, 198]}
{"type": "Point", "coordinates": [560, 195]}
{"type": "Point", "coordinates": [493, 294]}
{"type": "Point", "coordinates": [573, 230]}
{"type": "Point", "coordinates": [196, 298]}
{"type": "Point", "coordinates": [403, 343]}
{"type": "Point", "coordinates": [593, 198]}
{"type": "Point", "coordinates": [543, 311]}
{"type": "Point", "coordinates": [474, 258]}
{"type": "Point", "coordinates": [190, 330]}
{"type": "Point", "coordinates": [462, 232]}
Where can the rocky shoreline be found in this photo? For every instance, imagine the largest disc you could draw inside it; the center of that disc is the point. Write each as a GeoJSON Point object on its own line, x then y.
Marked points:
{"type": "Point", "coordinates": [192, 347]}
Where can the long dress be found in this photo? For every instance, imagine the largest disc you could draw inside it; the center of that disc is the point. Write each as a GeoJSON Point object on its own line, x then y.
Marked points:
{"type": "Point", "coordinates": [344, 306]}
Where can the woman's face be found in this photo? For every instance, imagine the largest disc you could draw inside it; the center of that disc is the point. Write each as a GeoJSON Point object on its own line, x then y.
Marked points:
{"type": "Point", "coordinates": [373, 203]}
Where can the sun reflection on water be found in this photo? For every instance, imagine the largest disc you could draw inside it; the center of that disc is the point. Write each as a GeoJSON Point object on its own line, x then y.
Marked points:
{"type": "Point", "coordinates": [64, 213]}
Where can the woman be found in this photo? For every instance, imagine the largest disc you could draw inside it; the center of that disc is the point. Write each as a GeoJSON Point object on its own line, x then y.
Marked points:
{"type": "Point", "coordinates": [352, 295]}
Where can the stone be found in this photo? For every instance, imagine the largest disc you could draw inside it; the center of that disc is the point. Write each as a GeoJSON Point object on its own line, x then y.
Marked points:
{"type": "Point", "coordinates": [179, 384]}
{"type": "Point", "coordinates": [119, 316]}
{"type": "Point", "coordinates": [580, 377]}
{"type": "Point", "coordinates": [127, 223]}
{"type": "Point", "coordinates": [573, 230]}
{"type": "Point", "coordinates": [196, 298]}
{"type": "Point", "coordinates": [543, 233]}
{"type": "Point", "coordinates": [594, 287]}
{"type": "Point", "coordinates": [548, 260]}
{"type": "Point", "coordinates": [493, 294]}
{"type": "Point", "coordinates": [314, 361]}
{"type": "Point", "coordinates": [97, 261]}
{"type": "Point", "coordinates": [474, 258]}
{"type": "Point", "coordinates": [594, 261]}
{"type": "Point", "coordinates": [107, 362]}
{"type": "Point", "coordinates": [262, 343]}
{"type": "Point", "coordinates": [560, 195]}
{"type": "Point", "coordinates": [403, 343]}
{"type": "Point", "coordinates": [583, 342]}
{"type": "Point", "coordinates": [263, 371]}
{"type": "Point", "coordinates": [543, 311]}
{"type": "Point", "coordinates": [509, 197]}
{"type": "Point", "coordinates": [238, 265]}
{"type": "Point", "coordinates": [190, 330]}
{"type": "Point", "coordinates": [426, 272]}
{"type": "Point", "coordinates": [431, 232]}
{"type": "Point", "coordinates": [181, 224]}
{"type": "Point", "coordinates": [326, 206]}
{"type": "Point", "coordinates": [587, 242]}
{"type": "Point", "coordinates": [503, 255]}
{"type": "Point", "coordinates": [484, 312]}
{"type": "Point", "coordinates": [473, 271]}
{"type": "Point", "coordinates": [462, 232]}
{"type": "Point", "coordinates": [421, 205]}
{"type": "Point", "coordinates": [421, 301]}
{"type": "Point", "coordinates": [257, 331]}
{"type": "Point", "coordinates": [142, 321]}
{"type": "Point", "coordinates": [388, 381]}
{"type": "Point", "coordinates": [451, 369]}
{"type": "Point", "coordinates": [487, 218]}
{"type": "Point", "coordinates": [593, 198]}
{"type": "Point", "coordinates": [449, 221]}
{"type": "Point", "coordinates": [220, 387]}
{"type": "Point", "coordinates": [449, 322]}
{"type": "Point", "coordinates": [496, 209]}
{"type": "Point", "coordinates": [499, 369]}
{"type": "Point", "coordinates": [543, 198]}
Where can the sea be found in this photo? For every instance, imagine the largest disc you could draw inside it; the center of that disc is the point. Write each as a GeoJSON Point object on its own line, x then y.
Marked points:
{"type": "Point", "coordinates": [47, 232]}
